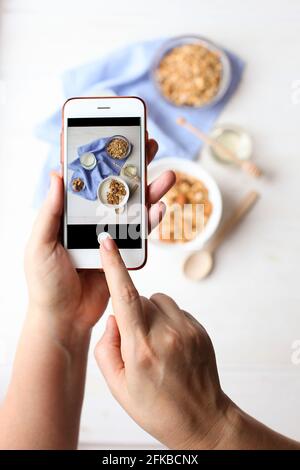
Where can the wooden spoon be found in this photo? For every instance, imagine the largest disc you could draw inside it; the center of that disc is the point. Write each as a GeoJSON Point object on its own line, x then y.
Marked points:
{"type": "Point", "coordinates": [199, 264]}
{"type": "Point", "coordinates": [247, 166]}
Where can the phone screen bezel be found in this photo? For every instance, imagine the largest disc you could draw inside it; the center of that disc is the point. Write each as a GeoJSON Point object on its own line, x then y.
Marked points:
{"type": "Point", "coordinates": [106, 107]}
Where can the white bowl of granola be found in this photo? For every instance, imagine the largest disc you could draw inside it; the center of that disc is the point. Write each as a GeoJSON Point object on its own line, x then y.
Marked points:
{"type": "Point", "coordinates": [195, 203]}
{"type": "Point", "coordinates": [113, 192]}
{"type": "Point", "coordinates": [118, 147]}
{"type": "Point", "coordinates": [191, 71]}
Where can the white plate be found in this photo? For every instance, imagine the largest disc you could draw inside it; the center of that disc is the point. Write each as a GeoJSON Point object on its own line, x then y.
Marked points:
{"type": "Point", "coordinates": [196, 170]}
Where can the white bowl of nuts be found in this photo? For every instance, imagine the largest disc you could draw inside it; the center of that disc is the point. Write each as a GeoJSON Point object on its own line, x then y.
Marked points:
{"type": "Point", "coordinates": [113, 192]}
{"type": "Point", "coordinates": [191, 71]}
{"type": "Point", "coordinates": [193, 205]}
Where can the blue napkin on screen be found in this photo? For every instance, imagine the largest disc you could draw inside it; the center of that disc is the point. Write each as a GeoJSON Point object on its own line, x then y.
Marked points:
{"type": "Point", "coordinates": [127, 71]}
{"type": "Point", "coordinates": [105, 167]}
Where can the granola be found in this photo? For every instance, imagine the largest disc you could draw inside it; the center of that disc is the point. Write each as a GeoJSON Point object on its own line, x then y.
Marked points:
{"type": "Point", "coordinates": [188, 210]}
{"type": "Point", "coordinates": [117, 148]}
{"type": "Point", "coordinates": [189, 75]}
{"type": "Point", "coordinates": [116, 192]}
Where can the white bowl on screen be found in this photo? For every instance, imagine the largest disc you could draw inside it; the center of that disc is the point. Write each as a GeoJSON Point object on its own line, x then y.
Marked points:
{"type": "Point", "coordinates": [103, 189]}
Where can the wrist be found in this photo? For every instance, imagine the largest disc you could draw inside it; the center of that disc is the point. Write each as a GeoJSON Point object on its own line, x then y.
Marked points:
{"type": "Point", "coordinates": [58, 328]}
{"type": "Point", "coordinates": [236, 430]}
{"type": "Point", "coordinates": [216, 429]}
{"type": "Point", "coordinates": [228, 429]}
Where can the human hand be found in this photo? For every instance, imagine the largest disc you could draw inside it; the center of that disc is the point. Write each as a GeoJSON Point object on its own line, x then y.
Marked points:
{"type": "Point", "coordinates": [72, 299]}
{"type": "Point", "coordinates": [159, 363]}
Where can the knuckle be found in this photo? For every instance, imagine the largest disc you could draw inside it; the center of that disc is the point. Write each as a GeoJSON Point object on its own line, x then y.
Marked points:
{"type": "Point", "coordinates": [194, 331]}
{"type": "Point", "coordinates": [197, 338]}
{"type": "Point", "coordinates": [158, 296]}
{"type": "Point", "coordinates": [128, 293]}
{"type": "Point", "coordinates": [144, 301]}
{"type": "Point", "coordinates": [173, 340]}
{"type": "Point", "coordinates": [194, 334]}
{"type": "Point", "coordinates": [144, 356]}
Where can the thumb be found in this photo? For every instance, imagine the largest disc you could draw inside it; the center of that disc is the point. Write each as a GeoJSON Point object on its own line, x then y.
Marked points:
{"type": "Point", "coordinates": [108, 355]}
{"type": "Point", "coordinates": [47, 224]}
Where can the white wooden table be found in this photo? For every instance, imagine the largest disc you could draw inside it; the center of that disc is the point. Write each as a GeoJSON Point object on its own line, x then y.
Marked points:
{"type": "Point", "coordinates": [250, 305]}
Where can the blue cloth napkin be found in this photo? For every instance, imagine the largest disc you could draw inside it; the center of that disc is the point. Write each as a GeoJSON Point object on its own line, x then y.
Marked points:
{"type": "Point", "coordinates": [105, 167]}
{"type": "Point", "coordinates": [127, 71]}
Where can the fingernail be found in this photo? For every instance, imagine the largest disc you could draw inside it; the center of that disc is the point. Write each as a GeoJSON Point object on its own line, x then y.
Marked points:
{"type": "Point", "coordinates": [108, 244]}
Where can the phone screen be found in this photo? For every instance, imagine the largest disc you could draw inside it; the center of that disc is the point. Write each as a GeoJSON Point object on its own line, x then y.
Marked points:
{"type": "Point", "coordinates": [104, 191]}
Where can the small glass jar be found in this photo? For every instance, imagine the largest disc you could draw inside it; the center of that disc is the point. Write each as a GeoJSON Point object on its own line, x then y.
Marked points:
{"type": "Point", "coordinates": [234, 138]}
{"type": "Point", "coordinates": [88, 160]}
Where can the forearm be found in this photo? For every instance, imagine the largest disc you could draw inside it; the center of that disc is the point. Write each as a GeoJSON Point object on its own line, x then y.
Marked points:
{"type": "Point", "coordinates": [245, 432]}
{"type": "Point", "coordinates": [239, 431]}
{"type": "Point", "coordinates": [43, 404]}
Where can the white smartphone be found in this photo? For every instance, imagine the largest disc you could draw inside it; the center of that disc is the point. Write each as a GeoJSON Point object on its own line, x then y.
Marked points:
{"type": "Point", "coordinates": [104, 165]}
